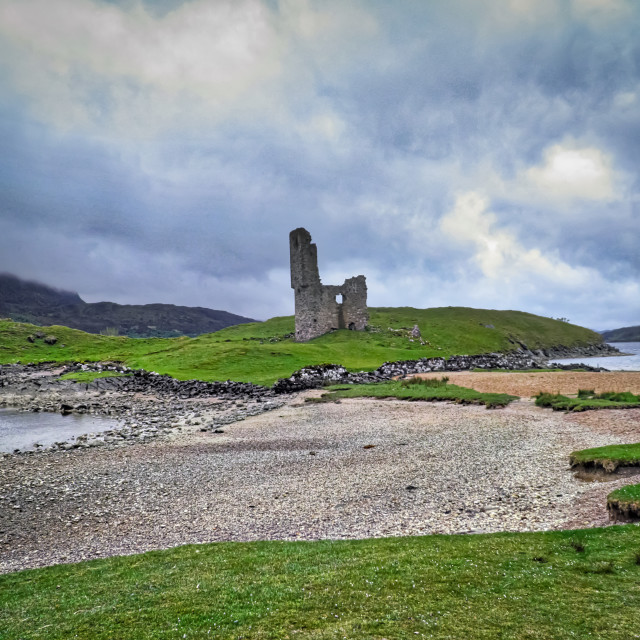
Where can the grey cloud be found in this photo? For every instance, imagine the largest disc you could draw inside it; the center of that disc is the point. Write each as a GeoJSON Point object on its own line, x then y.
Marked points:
{"type": "Point", "coordinates": [436, 96]}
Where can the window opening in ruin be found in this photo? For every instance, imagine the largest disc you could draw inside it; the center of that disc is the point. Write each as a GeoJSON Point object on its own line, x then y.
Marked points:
{"type": "Point", "coordinates": [339, 298]}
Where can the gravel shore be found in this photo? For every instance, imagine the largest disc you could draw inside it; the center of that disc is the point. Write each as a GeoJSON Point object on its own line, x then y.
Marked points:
{"type": "Point", "coordinates": [360, 468]}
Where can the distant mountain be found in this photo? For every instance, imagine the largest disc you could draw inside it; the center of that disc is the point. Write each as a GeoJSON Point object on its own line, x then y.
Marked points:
{"type": "Point", "coordinates": [25, 301]}
{"type": "Point", "coordinates": [625, 334]}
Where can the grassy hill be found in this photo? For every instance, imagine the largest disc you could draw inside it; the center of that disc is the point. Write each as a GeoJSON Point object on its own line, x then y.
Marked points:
{"type": "Point", "coordinates": [262, 352]}
{"type": "Point", "coordinates": [624, 334]}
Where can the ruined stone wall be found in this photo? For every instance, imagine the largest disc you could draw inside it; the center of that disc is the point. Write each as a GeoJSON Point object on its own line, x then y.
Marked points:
{"type": "Point", "coordinates": [322, 308]}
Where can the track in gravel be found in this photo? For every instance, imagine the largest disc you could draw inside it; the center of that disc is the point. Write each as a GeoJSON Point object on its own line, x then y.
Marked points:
{"type": "Point", "coordinates": [304, 472]}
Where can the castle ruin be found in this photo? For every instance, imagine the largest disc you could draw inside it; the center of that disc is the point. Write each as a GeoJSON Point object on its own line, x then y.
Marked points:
{"type": "Point", "coordinates": [322, 308]}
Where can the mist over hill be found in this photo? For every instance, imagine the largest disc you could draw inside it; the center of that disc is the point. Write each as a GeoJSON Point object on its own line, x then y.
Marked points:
{"type": "Point", "coordinates": [25, 301]}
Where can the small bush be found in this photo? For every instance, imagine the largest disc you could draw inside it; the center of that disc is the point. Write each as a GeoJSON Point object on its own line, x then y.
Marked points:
{"type": "Point", "coordinates": [426, 382]}
{"type": "Point", "coordinates": [623, 396]}
{"type": "Point", "coordinates": [588, 400]}
{"type": "Point", "coordinates": [613, 396]}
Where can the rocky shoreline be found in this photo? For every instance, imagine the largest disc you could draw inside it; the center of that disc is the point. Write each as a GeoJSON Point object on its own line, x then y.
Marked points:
{"type": "Point", "coordinates": [148, 405]}
{"type": "Point", "coordinates": [145, 405]}
{"type": "Point", "coordinates": [172, 473]}
{"type": "Point", "coordinates": [317, 376]}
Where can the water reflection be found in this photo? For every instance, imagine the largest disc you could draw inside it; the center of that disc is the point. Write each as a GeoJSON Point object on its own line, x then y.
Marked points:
{"type": "Point", "coordinates": [23, 429]}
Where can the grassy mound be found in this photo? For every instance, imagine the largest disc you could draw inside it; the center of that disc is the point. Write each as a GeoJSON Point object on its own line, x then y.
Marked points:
{"type": "Point", "coordinates": [589, 400]}
{"type": "Point", "coordinates": [426, 389]}
{"type": "Point", "coordinates": [560, 584]}
{"type": "Point", "coordinates": [608, 458]}
{"type": "Point", "coordinates": [624, 504]}
{"type": "Point", "coordinates": [262, 352]}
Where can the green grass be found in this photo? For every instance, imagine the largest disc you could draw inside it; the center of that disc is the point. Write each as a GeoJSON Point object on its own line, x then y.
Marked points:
{"type": "Point", "coordinates": [609, 458]}
{"type": "Point", "coordinates": [532, 586]}
{"type": "Point", "coordinates": [624, 505]}
{"type": "Point", "coordinates": [418, 383]}
{"type": "Point", "coordinates": [588, 400]}
{"type": "Point", "coordinates": [260, 352]}
{"type": "Point", "coordinates": [629, 495]}
{"type": "Point", "coordinates": [417, 389]}
{"type": "Point", "coordinates": [90, 376]}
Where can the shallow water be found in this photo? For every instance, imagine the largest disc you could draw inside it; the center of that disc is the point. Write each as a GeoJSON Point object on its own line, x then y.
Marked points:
{"type": "Point", "coordinates": [23, 429]}
{"type": "Point", "coordinates": [613, 363]}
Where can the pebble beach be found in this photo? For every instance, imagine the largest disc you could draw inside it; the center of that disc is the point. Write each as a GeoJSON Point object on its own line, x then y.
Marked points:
{"type": "Point", "coordinates": [355, 469]}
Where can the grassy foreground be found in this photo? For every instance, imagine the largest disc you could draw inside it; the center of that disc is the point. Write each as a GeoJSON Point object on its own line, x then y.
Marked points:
{"type": "Point", "coordinates": [262, 352]}
{"type": "Point", "coordinates": [568, 584]}
{"type": "Point", "coordinates": [426, 389]}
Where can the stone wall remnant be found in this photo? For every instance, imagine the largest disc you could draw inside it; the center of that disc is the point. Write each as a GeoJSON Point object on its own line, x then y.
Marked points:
{"type": "Point", "coordinates": [322, 308]}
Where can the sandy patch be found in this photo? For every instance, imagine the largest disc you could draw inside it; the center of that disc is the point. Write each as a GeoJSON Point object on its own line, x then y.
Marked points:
{"type": "Point", "coordinates": [527, 385]}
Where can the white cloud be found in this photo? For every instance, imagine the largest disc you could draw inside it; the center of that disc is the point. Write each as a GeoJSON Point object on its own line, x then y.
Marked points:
{"type": "Point", "coordinates": [625, 99]}
{"type": "Point", "coordinates": [123, 70]}
{"type": "Point", "coordinates": [499, 254]}
{"type": "Point", "coordinates": [571, 172]}
{"type": "Point", "coordinates": [105, 64]}
{"type": "Point", "coordinates": [600, 12]}
{"type": "Point", "coordinates": [514, 276]}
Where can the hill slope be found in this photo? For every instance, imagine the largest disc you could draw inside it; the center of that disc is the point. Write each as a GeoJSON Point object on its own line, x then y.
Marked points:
{"type": "Point", "coordinates": [624, 334]}
{"type": "Point", "coordinates": [262, 352]}
{"type": "Point", "coordinates": [39, 304]}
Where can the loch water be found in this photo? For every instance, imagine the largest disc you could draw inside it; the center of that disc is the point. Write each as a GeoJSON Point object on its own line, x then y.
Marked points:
{"type": "Point", "coordinates": [23, 429]}
{"type": "Point", "coordinates": [630, 362]}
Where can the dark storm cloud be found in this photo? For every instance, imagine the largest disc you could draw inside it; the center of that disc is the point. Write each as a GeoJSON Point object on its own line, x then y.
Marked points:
{"type": "Point", "coordinates": [175, 173]}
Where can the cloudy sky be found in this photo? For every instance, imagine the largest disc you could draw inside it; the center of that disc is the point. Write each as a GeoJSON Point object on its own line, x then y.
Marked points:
{"type": "Point", "coordinates": [456, 152]}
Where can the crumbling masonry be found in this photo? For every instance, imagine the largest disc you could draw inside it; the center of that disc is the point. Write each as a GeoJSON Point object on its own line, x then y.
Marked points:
{"type": "Point", "coordinates": [323, 308]}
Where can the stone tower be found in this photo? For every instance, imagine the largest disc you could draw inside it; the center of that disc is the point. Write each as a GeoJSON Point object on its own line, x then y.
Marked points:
{"type": "Point", "coordinates": [322, 308]}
